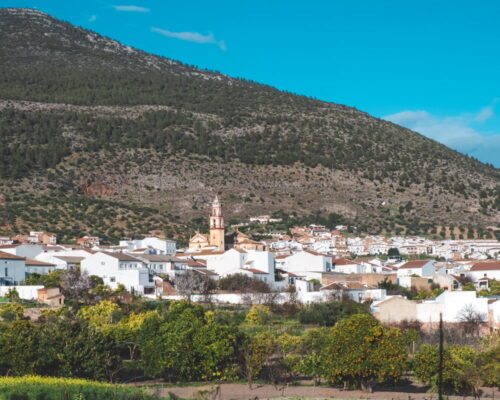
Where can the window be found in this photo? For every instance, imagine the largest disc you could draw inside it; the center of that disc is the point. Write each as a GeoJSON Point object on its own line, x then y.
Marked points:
{"type": "Point", "coordinates": [6, 272]}
{"type": "Point", "coordinates": [112, 279]}
{"type": "Point", "coordinates": [103, 263]}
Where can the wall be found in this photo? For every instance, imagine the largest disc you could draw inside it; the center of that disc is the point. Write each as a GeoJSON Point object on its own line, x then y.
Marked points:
{"type": "Point", "coordinates": [25, 292]}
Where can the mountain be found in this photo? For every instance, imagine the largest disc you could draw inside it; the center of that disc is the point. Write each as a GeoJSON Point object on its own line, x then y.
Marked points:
{"type": "Point", "coordinates": [87, 123]}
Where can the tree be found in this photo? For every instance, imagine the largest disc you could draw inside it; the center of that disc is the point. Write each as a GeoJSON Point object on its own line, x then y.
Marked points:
{"type": "Point", "coordinates": [471, 319]}
{"type": "Point", "coordinates": [458, 362]}
{"type": "Point", "coordinates": [190, 282]}
{"type": "Point", "coordinates": [243, 283]}
{"type": "Point", "coordinates": [186, 345]}
{"type": "Point", "coordinates": [257, 350]}
{"type": "Point", "coordinates": [76, 285]}
{"type": "Point", "coordinates": [361, 352]}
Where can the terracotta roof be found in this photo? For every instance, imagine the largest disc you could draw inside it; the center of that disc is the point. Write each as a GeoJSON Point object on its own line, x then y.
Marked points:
{"type": "Point", "coordinates": [35, 263]}
{"type": "Point", "coordinates": [347, 285]}
{"type": "Point", "coordinates": [8, 256]}
{"type": "Point", "coordinates": [255, 271]}
{"type": "Point", "coordinates": [282, 256]}
{"type": "Point", "coordinates": [343, 261]}
{"type": "Point", "coordinates": [202, 271]}
{"type": "Point", "coordinates": [414, 264]}
{"type": "Point", "coordinates": [486, 266]}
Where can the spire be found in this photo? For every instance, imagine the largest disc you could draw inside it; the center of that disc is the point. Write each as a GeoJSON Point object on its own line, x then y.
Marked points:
{"type": "Point", "coordinates": [216, 201]}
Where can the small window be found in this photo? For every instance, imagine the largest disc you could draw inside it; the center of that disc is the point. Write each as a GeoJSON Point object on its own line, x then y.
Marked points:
{"type": "Point", "coordinates": [112, 279]}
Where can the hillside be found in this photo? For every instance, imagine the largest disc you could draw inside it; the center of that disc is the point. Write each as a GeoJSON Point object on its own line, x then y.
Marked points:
{"type": "Point", "coordinates": [82, 116]}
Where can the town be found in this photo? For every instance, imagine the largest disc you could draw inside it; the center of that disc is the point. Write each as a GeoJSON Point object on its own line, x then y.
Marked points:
{"type": "Point", "coordinates": [447, 277]}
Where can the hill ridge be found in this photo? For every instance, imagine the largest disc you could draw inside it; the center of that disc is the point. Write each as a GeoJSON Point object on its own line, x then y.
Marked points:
{"type": "Point", "coordinates": [90, 122]}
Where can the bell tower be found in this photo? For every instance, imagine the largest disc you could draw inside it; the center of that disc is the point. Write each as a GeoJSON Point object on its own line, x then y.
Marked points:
{"type": "Point", "coordinates": [217, 225]}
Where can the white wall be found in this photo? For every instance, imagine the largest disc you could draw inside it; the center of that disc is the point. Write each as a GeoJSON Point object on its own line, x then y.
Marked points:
{"type": "Point", "coordinates": [25, 292]}
{"type": "Point", "coordinates": [15, 269]}
{"type": "Point", "coordinates": [25, 250]}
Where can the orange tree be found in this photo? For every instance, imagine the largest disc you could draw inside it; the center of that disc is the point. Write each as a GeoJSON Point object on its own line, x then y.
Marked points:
{"type": "Point", "coordinates": [360, 352]}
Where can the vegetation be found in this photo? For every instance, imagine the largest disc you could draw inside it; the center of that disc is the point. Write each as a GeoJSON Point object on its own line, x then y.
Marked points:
{"type": "Point", "coordinates": [36, 387]}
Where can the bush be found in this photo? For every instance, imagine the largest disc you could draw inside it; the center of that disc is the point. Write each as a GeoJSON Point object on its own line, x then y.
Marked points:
{"type": "Point", "coordinates": [258, 315]}
{"type": "Point", "coordinates": [327, 314]}
{"type": "Point", "coordinates": [243, 283]}
{"type": "Point", "coordinates": [35, 387]}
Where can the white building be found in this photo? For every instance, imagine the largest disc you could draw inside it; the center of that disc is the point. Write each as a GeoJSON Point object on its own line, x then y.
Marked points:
{"type": "Point", "coordinates": [163, 264]}
{"type": "Point", "coordinates": [485, 269]}
{"type": "Point", "coordinates": [119, 268]}
{"type": "Point", "coordinates": [23, 250]}
{"type": "Point", "coordinates": [308, 264]}
{"type": "Point", "coordinates": [424, 268]}
{"type": "Point", "coordinates": [12, 269]}
{"type": "Point", "coordinates": [254, 263]}
{"type": "Point", "coordinates": [160, 246]}
{"type": "Point", "coordinates": [347, 266]}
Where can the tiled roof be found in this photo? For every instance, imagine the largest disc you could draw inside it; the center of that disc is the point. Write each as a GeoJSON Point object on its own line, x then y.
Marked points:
{"type": "Point", "coordinates": [255, 271]}
{"type": "Point", "coordinates": [35, 263]}
{"type": "Point", "coordinates": [486, 266]}
{"type": "Point", "coordinates": [414, 264]}
{"type": "Point", "coordinates": [8, 256]}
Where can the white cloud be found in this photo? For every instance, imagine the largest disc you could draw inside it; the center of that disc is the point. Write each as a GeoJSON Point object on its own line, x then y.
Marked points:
{"type": "Point", "coordinates": [92, 18]}
{"type": "Point", "coordinates": [484, 114]}
{"type": "Point", "coordinates": [457, 132]}
{"type": "Point", "coordinates": [131, 8]}
{"type": "Point", "coordinates": [192, 37]}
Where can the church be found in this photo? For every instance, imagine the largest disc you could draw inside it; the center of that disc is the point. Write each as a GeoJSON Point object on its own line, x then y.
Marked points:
{"type": "Point", "coordinates": [217, 239]}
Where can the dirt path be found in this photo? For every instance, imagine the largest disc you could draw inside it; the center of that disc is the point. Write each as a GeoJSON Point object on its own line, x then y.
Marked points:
{"type": "Point", "coordinates": [243, 392]}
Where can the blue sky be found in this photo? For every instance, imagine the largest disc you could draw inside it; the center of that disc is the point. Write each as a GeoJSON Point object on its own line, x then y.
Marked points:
{"type": "Point", "coordinates": [430, 65]}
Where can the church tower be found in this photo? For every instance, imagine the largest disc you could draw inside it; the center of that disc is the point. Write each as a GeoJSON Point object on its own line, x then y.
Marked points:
{"type": "Point", "coordinates": [216, 225]}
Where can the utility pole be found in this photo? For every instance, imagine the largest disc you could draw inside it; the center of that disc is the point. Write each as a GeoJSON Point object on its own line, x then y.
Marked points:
{"type": "Point", "coordinates": [441, 351]}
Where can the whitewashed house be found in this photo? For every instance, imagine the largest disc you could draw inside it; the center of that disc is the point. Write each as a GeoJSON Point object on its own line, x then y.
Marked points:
{"type": "Point", "coordinates": [163, 264]}
{"type": "Point", "coordinates": [254, 263]}
{"type": "Point", "coordinates": [423, 268]}
{"type": "Point", "coordinates": [34, 266]}
{"type": "Point", "coordinates": [168, 247]}
{"type": "Point", "coordinates": [12, 269]}
{"type": "Point", "coordinates": [485, 269]}
{"type": "Point", "coordinates": [307, 264]}
{"type": "Point", "coordinates": [347, 266]}
{"type": "Point", "coordinates": [119, 268]}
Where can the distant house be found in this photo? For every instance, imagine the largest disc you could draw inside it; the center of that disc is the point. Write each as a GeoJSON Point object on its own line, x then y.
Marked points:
{"type": "Point", "coordinates": [162, 264]}
{"type": "Point", "coordinates": [88, 241]}
{"type": "Point", "coordinates": [485, 269]}
{"type": "Point", "coordinates": [160, 246]}
{"type": "Point", "coordinates": [34, 266]}
{"type": "Point", "coordinates": [51, 296]}
{"type": "Point", "coordinates": [23, 249]}
{"type": "Point", "coordinates": [425, 268]}
{"type": "Point", "coordinates": [12, 269]}
{"type": "Point", "coordinates": [347, 266]}
{"type": "Point", "coordinates": [309, 264]}
{"type": "Point", "coordinates": [119, 268]}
